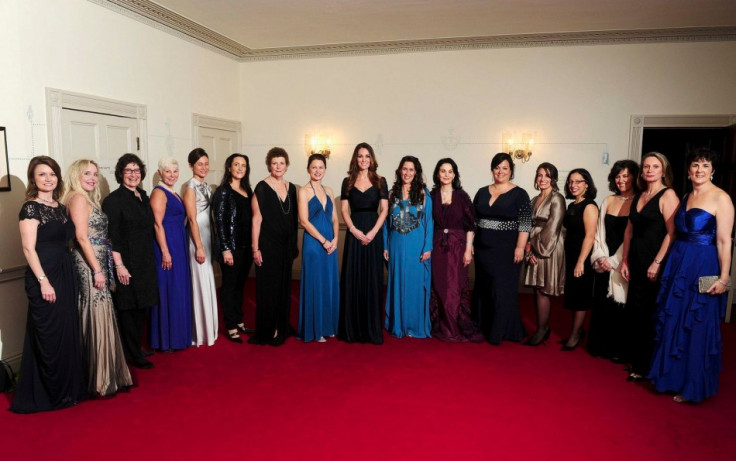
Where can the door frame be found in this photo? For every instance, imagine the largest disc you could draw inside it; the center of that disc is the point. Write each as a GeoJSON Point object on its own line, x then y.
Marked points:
{"type": "Point", "coordinates": [206, 121]}
{"type": "Point", "coordinates": [57, 100]}
{"type": "Point", "coordinates": [636, 136]}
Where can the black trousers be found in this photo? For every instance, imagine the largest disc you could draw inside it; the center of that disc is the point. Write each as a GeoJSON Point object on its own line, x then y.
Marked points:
{"type": "Point", "coordinates": [131, 323]}
{"type": "Point", "coordinates": [233, 283]}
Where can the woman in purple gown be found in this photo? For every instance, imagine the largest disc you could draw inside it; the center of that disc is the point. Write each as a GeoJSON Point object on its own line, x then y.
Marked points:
{"type": "Point", "coordinates": [454, 229]}
{"type": "Point", "coordinates": [171, 319]}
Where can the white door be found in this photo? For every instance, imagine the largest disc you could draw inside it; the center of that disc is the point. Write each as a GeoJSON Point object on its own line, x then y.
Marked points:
{"type": "Point", "coordinates": [219, 144]}
{"type": "Point", "coordinates": [99, 137]}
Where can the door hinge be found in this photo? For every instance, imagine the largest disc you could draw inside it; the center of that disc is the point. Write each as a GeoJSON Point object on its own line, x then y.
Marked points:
{"type": "Point", "coordinates": [138, 143]}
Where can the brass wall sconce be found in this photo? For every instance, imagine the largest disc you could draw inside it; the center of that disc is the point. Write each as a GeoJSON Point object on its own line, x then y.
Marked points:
{"type": "Point", "coordinates": [317, 144]}
{"type": "Point", "coordinates": [519, 147]}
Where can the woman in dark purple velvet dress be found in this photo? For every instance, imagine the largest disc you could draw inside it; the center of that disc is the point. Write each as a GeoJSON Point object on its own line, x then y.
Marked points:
{"type": "Point", "coordinates": [454, 229]}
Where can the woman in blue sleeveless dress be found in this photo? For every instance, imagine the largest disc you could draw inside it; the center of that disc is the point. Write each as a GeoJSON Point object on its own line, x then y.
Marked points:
{"type": "Point", "coordinates": [171, 319]}
{"type": "Point", "coordinates": [407, 248]}
{"type": "Point", "coordinates": [319, 294]}
{"type": "Point", "coordinates": [687, 354]}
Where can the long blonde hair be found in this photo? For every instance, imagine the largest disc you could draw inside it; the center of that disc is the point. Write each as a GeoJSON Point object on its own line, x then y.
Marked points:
{"type": "Point", "coordinates": [73, 183]}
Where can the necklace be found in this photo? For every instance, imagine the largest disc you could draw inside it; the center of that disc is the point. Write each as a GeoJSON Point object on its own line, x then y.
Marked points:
{"type": "Point", "coordinates": [625, 199]}
{"type": "Point", "coordinates": [288, 199]}
{"type": "Point", "coordinates": [48, 202]}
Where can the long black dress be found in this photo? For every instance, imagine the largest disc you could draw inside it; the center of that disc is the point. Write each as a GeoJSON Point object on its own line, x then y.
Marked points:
{"type": "Point", "coordinates": [362, 269]}
{"type": "Point", "coordinates": [607, 319]}
{"type": "Point", "coordinates": [52, 368]}
{"type": "Point", "coordinates": [277, 243]}
{"type": "Point", "coordinates": [496, 292]}
{"type": "Point", "coordinates": [649, 230]}
{"type": "Point", "coordinates": [578, 290]}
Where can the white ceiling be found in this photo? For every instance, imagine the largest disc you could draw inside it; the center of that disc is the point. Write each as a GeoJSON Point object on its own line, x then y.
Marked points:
{"type": "Point", "coordinates": [266, 24]}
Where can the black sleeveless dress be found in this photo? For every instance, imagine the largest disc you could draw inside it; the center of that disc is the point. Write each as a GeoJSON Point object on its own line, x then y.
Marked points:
{"type": "Point", "coordinates": [649, 230]}
{"type": "Point", "coordinates": [578, 290]}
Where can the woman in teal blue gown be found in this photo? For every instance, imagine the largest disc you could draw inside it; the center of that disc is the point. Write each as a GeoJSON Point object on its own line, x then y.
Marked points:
{"type": "Point", "coordinates": [407, 248]}
{"type": "Point", "coordinates": [687, 353]}
{"type": "Point", "coordinates": [319, 294]}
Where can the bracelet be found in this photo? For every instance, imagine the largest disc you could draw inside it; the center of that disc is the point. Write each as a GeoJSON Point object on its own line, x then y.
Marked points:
{"type": "Point", "coordinates": [256, 251]}
{"type": "Point", "coordinates": [119, 265]}
{"type": "Point", "coordinates": [657, 261]}
{"type": "Point", "coordinates": [727, 285]}
{"type": "Point", "coordinates": [97, 272]}
{"type": "Point", "coordinates": [42, 278]}
{"type": "Point", "coordinates": [469, 243]}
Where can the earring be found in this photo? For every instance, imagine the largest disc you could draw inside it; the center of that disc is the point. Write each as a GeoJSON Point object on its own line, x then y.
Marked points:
{"type": "Point", "coordinates": [711, 177]}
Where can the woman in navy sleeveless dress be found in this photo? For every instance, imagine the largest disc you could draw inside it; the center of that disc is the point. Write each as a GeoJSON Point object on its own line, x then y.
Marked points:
{"type": "Point", "coordinates": [647, 239]}
{"type": "Point", "coordinates": [687, 355]}
{"type": "Point", "coordinates": [171, 319]}
{"type": "Point", "coordinates": [319, 294]}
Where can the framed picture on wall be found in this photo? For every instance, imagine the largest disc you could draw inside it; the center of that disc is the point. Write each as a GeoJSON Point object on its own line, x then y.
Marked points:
{"type": "Point", "coordinates": [4, 169]}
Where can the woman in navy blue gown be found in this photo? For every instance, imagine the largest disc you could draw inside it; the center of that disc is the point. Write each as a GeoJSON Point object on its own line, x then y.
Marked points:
{"type": "Point", "coordinates": [319, 294]}
{"type": "Point", "coordinates": [407, 248]}
{"type": "Point", "coordinates": [52, 374]}
{"type": "Point", "coordinates": [647, 240]}
{"type": "Point", "coordinates": [687, 354]}
{"type": "Point", "coordinates": [171, 319]}
{"type": "Point", "coordinates": [503, 214]}
{"type": "Point", "coordinates": [364, 207]}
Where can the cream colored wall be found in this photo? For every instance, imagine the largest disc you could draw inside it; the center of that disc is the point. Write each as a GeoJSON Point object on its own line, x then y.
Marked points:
{"type": "Point", "coordinates": [78, 46]}
{"type": "Point", "coordinates": [579, 100]}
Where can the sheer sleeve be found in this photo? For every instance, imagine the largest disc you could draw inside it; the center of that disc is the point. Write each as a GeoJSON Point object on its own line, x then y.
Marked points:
{"type": "Point", "coordinates": [383, 189]}
{"type": "Point", "coordinates": [468, 211]}
{"type": "Point", "coordinates": [29, 210]}
{"type": "Point", "coordinates": [525, 212]}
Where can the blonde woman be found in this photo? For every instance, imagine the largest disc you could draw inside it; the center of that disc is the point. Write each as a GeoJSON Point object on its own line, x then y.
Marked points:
{"type": "Point", "coordinates": [107, 371]}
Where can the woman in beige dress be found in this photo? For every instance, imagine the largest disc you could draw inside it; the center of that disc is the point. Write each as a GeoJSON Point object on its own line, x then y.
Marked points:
{"type": "Point", "coordinates": [545, 252]}
{"type": "Point", "coordinates": [103, 351]}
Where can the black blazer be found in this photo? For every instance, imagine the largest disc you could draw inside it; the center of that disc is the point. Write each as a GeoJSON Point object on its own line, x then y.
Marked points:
{"type": "Point", "coordinates": [233, 219]}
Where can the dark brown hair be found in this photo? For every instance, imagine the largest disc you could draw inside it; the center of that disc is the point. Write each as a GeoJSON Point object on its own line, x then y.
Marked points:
{"type": "Point", "coordinates": [354, 169]}
{"type": "Point", "coordinates": [31, 189]}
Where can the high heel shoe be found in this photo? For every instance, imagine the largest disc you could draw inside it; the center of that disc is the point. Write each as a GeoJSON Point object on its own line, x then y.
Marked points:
{"type": "Point", "coordinates": [544, 339]}
{"type": "Point", "coordinates": [567, 348]}
{"type": "Point", "coordinates": [234, 337]}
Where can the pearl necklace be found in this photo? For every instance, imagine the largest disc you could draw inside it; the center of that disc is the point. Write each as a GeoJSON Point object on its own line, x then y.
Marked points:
{"type": "Point", "coordinates": [625, 199]}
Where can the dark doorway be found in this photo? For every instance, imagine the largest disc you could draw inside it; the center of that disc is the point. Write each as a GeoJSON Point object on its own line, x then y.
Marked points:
{"type": "Point", "coordinates": [675, 143]}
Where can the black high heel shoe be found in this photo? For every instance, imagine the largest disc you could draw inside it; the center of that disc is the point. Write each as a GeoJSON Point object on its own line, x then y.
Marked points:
{"type": "Point", "coordinates": [245, 330]}
{"type": "Point", "coordinates": [544, 339]}
{"type": "Point", "coordinates": [567, 348]}
{"type": "Point", "coordinates": [234, 337]}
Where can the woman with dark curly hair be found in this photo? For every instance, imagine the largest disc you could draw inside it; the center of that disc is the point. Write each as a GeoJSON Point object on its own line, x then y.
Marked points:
{"type": "Point", "coordinates": [131, 221]}
{"type": "Point", "coordinates": [407, 248]}
{"type": "Point", "coordinates": [580, 221]}
{"type": "Point", "coordinates": [607, 320]}
{"type": "Point", "coordinates": [454, 229]}
{"type": "Point", "coordinates": [504, 220]}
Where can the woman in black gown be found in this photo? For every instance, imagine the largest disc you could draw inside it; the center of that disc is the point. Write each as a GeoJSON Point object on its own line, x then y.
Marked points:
{"type": "Point", "coordinates": [364, 208]}
{"type": "Point", "coordinates": [580, 222]}
{"type": "Point", "coordinates": [609, 293]}
{"type": "Point", "coordinates": [504, 219]}
{"type": "Point", "coordinates": [52, 366]}
{"type": "Point", "coordinates": [275, 218]}
{"type": "Point", "coordinates": [647, 240]}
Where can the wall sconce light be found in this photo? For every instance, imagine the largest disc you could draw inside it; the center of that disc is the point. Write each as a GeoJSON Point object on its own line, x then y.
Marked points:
{"type": "Point", "coordinates": [317, 144]}
{"type": "Point", "coordinates": [517, 146]}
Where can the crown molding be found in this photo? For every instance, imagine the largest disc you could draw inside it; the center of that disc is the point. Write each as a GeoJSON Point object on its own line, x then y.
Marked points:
{"type": "Point", "coordinates": [166, 20]}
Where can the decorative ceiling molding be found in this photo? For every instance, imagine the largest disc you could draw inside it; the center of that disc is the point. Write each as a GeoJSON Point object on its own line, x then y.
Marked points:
{"type": "Point", "coordinates": [171, 22]}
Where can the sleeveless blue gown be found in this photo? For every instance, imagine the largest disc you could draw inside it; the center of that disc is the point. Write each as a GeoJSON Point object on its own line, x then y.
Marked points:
{"type": "Point", "coordinates": [171, 319]}
{"type": "Point", "coordinates": [319, 292]}
{"type": "Point", "coordinates": [687, 354]}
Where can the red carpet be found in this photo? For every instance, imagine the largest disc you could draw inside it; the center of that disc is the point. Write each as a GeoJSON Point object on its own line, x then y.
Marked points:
{"type": "Point", "coordinates": [407, 399]}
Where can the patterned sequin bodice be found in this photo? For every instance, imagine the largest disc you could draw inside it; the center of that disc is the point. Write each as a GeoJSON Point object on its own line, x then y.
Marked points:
{"type": "Point", "coordinates": [405, 217]}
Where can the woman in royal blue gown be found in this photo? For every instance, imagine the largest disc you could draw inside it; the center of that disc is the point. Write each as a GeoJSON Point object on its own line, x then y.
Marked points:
{"type": "Point", "coordinates": [171, 319]}
{"type": "Point", "coordinates": [687, 354]}
{"type": "Point", "coordinates": [319, 294]}
{"type": "Point", "coordinates": [407, 248]}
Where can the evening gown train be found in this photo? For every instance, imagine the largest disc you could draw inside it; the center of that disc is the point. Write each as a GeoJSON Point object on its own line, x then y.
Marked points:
{"type": "Point", "coordinates": [496, 292]}
{"type": "Point", "coordinates": [171, 318]}
{"type": "Point", "coordinates": [204, 290]}
{"type": "Point", "coordinates": [106, 367]}
{"type": "Point", "coordinates": [361, 282]}
{"type": "Point", "coordinates": [687, 356]}
{"type": "Point", "coordinates": [319, 294]}
{"type": "Point", "coordinates": [649, 230]}
{"type": "Point", "coordinates": [407, 235]}
{"type": "Point", "coordinates": [52, 372]}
